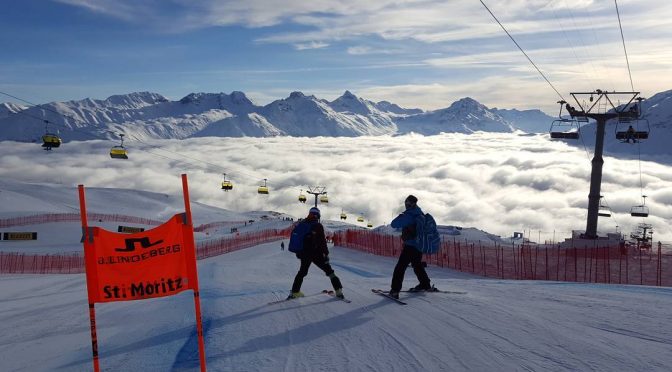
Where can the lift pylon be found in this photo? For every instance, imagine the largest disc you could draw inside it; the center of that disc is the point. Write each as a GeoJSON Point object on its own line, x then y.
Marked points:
{"type": "Point", "coordinates": [317, 191]}
{"type": "Point", "coordinates": [600, 108]}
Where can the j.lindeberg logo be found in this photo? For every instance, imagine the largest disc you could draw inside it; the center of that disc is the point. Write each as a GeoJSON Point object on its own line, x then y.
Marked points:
{"type": "Point", "coordinates": [144, 243]}
{"type": "Point", "coordinates": [150, 250]}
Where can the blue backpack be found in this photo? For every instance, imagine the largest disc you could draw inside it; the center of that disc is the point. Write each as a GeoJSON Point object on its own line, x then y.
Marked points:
{"type": "Point", "coordinates": [298, 236]}
{"type": "Point", "coordinates": [428, 238]}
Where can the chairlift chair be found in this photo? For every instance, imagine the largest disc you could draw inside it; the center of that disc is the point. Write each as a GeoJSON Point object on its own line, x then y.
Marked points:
{"type": "Point", "coordinates": [631, 126]}
{"type": "Point", "coordinates": [603, 209]}
{"type": "Point", "coordinates": [640, 210]}
{"type": "Point", "coordinates": [119, 152]}
{"type": "Point", "coordinates": [263, 189]}
{"type": "Point", "coordinates": [50, 140]}
{"type": "Point", "coordinates": [636, 134]}
{"type": "Point", "coordinates": [564, 128]}
{"type": "Point", "coordinates": [343, 215]}
{"type": "Point", "coordinates": [226, 184]}
{"type": "Point", "coordinates": [369, 224]}
{"type": "Point", "coordinates": [324, 199]}
{"type": "Point", "coordinates": [360, 219]}
{"type": "Point", "coordinates": [302, 197]}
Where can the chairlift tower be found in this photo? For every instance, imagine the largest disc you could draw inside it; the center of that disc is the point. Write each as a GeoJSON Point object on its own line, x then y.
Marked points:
{"type": "Point", "coordinates": [316, 191]}
{"type": "Point", "coordinates": [603, 101]}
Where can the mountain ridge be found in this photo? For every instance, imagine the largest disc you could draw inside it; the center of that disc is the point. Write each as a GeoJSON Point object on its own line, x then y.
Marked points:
{"type": "Point", "coordinates": [151, 115]}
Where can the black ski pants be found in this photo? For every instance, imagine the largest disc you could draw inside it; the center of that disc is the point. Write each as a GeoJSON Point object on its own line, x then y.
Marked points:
{"type": "Point", "coordinates": [319, 261]}
{"type": "Point", "coordinates": [409, 255]}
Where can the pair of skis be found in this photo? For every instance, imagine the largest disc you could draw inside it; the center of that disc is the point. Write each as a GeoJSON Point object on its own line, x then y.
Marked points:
{"type": "Point", "coordinates": [400, 302]}
{"type": "Point", "coordinates": [325, 291]}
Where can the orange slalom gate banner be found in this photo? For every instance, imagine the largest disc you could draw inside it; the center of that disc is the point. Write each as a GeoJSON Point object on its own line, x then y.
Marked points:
{"type": "Point", "coordinates": [154, 263]}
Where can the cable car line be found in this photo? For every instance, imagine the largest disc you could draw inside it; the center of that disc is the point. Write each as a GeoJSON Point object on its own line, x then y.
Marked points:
{"type": "Point", "coordinates": [580, 61]}
{"type": "Point", "coordinates": [627, 61]}
{"type": "Point", "coordinates": [521, 49]}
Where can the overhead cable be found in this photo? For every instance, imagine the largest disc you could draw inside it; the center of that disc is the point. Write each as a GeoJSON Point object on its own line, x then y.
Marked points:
{"type": "Point", "coordinates": [521, 49]}
{"type": "Point", "coordinates": [618, 14]}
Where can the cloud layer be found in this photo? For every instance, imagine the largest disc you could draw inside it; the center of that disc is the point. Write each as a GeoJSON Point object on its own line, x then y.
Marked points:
{"type": "Point", "coordinates": [500, 183]}
{"type": "Point", "coordinates": [444, 50]}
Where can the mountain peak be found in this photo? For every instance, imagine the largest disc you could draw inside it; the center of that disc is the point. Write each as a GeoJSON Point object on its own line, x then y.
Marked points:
{"type": "Point", "coordinates": [296, 94]}
{"type": "Point", "coordinates": [348, 95]}
{"type": "Point", "coordinates": [135, 99]}
{"type": "Point", "coordinates": [468, 101]}
{"type": "Point", "coordinates": [240, 98]}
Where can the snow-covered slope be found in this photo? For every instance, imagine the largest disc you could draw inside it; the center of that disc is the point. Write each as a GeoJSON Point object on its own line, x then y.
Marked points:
{"type": "Point", "coordinates": [530, 121]}
{"type": "Point", "coordinates": [498, 325]}
{"type": "Point", "coordinates": [22, 199]}
{"type": "Point", "coordinates": [386, 106]}
{"type": "Point", "coordinates": [9, 108]}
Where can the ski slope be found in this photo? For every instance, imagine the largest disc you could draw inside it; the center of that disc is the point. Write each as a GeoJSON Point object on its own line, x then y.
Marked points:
{"type": "Point", "coordinates": [497, 326]}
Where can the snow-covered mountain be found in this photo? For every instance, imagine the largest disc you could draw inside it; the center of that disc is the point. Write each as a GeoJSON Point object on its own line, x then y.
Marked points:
{"type": "Point", "coordinates": [151, 115]}
{"type": "Point", "coordinates": [6, 109]}
{"type": "Point", "coordinates": [301, 115]}
{"type": "Point", "coordinates": [463, 116]}
{"type": "Point", "coordinates": [394, 108]}
{"type": "Point", "coordinates": [530, 121]}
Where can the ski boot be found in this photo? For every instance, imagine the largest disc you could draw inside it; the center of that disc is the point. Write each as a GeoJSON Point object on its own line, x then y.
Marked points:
{"type": "Point", "coordinates": [294, 295]}
{"type": "Point", "coordinates": [421, 288]}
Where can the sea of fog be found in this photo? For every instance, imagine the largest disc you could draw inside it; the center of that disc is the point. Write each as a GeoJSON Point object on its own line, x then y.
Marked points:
{"type": "Point", "coordinates": [499, 183]}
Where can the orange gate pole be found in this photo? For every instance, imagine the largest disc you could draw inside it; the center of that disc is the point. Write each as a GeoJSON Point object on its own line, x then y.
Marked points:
{"type": "Point", "coordinates": [92, 308]}
{"type": "Point", "coordinates": [197, 296]}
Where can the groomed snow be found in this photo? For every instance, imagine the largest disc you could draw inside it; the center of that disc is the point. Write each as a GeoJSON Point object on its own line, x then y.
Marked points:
{"type": "Point", "coordinates": [497, 326]}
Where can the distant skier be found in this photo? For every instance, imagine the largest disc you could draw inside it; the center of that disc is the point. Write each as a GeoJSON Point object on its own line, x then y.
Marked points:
{"type": "Point", "coordinates": [282, 246]}
{"type": "Point", "coordinates": [410, 253]}
{"type": "Point", "coordinates": [314, 251]}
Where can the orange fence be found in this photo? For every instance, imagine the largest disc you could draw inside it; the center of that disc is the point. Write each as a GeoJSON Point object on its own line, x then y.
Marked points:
{"type": "Point", "coordinates": [39, 219]}
{"type": "Point", "coordinates": [22, 263]}
{"type": "Point", "coordinates": [74, 217]}
{"type": "Point", "coordinates": [535, 262]}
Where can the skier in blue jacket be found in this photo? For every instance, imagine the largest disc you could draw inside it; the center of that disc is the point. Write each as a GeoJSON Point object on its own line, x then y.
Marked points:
{"type": "Point", "coordinates": [410, 253]}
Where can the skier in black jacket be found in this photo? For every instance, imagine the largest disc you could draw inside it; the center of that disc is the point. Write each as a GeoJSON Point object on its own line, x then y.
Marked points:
{"type": "Point", "coordinates": [315, 251]}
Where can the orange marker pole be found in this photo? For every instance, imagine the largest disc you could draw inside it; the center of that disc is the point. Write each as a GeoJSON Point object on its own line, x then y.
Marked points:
{"type": "Point", "coordinates": [194, 276]}
{"type": "Point", "coordinates": [92, 309]}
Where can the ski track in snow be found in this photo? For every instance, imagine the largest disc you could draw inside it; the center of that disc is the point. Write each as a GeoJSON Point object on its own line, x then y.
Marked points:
{"type": "Point", "coordinates": [498, 326]}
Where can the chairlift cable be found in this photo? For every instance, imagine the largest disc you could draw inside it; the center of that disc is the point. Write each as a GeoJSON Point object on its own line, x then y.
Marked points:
{"type": "Point", "coordinates": [585, 148]}
{"type": "Point", "coordinates": [618, 14]}
{"type": "Point", "coordinates": [584, 45]}
{"type": "Point", "coordinates": [597, 45]}
{"type": "Point", "coordinates": [521, 49]}
{"type": "Point", "coordinates": [613, 215]}
{"type": "Point", "coordinates": [639, 161]}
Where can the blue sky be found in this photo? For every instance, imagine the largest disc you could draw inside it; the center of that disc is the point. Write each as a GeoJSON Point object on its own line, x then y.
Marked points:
{"type": "Point", "coordinates": [417, 53]}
